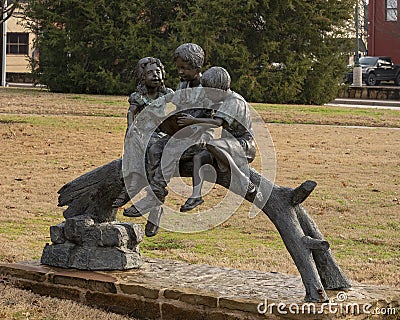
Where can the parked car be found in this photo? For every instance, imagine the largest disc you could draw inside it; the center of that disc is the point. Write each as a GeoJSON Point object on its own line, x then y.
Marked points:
{"type": "Point", "coordinates": [377, 69]}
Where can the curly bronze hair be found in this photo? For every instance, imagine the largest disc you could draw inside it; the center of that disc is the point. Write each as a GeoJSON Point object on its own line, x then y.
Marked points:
{"type": "Point", "coordinates": [139, 73]}
{"type": "Point", "coordinates": [191, 53]}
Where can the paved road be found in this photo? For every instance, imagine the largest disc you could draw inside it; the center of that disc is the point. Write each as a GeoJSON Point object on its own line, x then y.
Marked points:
{"type": "Point", "coordinates": [365, 103]}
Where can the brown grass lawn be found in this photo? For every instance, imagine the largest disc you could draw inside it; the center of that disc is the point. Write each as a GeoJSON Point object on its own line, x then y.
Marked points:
{"type": "Point", "coordinates": [49, 139]}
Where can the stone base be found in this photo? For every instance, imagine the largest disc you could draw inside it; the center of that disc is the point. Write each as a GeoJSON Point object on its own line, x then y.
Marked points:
{"type": "Point", "coordinates": [69, 255]}
{"type": "Point", "coordinates": [171, 290]}
{"type": "Point", "coordinates": [81, 243]}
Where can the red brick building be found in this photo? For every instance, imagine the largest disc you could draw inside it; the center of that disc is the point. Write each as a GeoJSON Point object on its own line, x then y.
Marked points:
{"type": "Point", "coordinates": [384, 29]}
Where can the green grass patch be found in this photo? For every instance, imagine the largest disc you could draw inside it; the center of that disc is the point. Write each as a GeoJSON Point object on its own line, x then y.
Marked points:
{"type": "Point", "coordinates": [99, 100]}
{"type": "Point", "coordinates": [115, 106]}
{"type": "Point", "coordinates": [395, 226]}
{"type": "Point", "coordinates": [329, 115]}
{"type": "Point", "coordinates": [162, 242]}
{"type": "Point", "coordinates": [12, 121]}
{"type": "Point", "coordinates": [323, 110]}
{"type": "Point", "coordinates": [23, 91]}
{"type": "Point", "coordinates": [231, 242]}
{"type": "Point", "coordinates": [366, 249]}
{"type": "Point", "coordinates": [67, 122]}
{"type": "Point", "coordinates": [108, 115]}
{"type": "Point", "coordinates": [12, 229]}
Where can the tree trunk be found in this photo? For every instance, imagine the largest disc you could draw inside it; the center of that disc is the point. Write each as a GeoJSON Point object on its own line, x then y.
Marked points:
{"type": "Point", "coordinates": [300, 234]}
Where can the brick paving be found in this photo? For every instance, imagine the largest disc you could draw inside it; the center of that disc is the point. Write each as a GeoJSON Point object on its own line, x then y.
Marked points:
{"type": "Point", "coordinates": [165, 289]}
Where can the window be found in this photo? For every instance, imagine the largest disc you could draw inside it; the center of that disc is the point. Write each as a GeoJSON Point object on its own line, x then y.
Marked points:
{"type": "Point", "coordinates": [391, 10]}
{"type": "Point", "coordinates": [17, 43]}
{"type": "Point", "coordinates": [384, 63]}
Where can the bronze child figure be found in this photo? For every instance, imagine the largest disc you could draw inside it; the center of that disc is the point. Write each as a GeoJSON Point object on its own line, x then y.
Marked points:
{"type": "Point", "coordinates": [150, 76]}
{"type": "Point", "coordinates": [236, 147]}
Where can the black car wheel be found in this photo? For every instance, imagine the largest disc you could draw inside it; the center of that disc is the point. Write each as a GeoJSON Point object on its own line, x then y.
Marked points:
{"type": "Point", "coordinates": [371, 80]}
{"type": "Point", "coordinates": [397, 81]}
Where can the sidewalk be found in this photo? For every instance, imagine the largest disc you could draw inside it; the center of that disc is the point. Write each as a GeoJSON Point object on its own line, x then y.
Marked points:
{"type": "Point", "coordinates": [365, 103]}
{"type": "Point", "coordinates": [172, 290]}
{"type": "Point", "coordinates": [24, 85]}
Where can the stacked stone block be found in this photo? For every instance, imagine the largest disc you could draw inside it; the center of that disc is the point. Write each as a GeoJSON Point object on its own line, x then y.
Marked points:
{"type": "Point", "coordinates": [81, 243]}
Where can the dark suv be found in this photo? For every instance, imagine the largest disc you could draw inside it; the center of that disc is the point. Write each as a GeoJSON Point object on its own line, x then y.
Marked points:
{"type": "Point", "coordinates": [377, 69]}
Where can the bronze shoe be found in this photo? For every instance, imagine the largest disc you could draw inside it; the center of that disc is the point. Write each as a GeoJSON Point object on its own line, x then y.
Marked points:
{"type": "Point", "coordinates": [122, 199]}
{"type": "Point", "coordinates": [191, 203]}
{"type": "Point", "coordinates": [132, 212]}
{"type": "Point", "coordinates": [153, 223]}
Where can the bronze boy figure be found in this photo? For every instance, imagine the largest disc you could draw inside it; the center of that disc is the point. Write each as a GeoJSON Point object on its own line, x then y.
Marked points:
{"type": "Point", "coordinates": [236, 147]}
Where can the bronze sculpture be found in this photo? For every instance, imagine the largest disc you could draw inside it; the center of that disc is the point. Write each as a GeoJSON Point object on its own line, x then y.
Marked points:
{"type": "Point", "coordinates": [283, 205]}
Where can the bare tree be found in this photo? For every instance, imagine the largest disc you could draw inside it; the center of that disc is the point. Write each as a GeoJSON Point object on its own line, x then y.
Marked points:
{"type": "Point", "coordinates": [8, 8]}
{"type": "Point", "coordinates": [361, 25]}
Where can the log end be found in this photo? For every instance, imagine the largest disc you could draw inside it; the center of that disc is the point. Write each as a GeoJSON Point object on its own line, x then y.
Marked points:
{"type": "Point", "coordinates": [302, 192]}
{"type": "Point", "coordinates": [315, 244]}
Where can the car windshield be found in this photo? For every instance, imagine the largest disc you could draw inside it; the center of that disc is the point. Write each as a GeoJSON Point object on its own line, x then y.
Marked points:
{"type": "Point", "coordinates": [368, 61]}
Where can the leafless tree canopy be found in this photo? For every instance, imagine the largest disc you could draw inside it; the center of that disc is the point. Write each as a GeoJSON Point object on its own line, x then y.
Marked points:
{"type": "Point", "coordinates": [8, 8]}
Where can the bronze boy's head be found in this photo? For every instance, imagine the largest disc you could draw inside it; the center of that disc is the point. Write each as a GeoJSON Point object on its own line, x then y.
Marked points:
{"type": "Point", "coordinates": [189, 59]}
{"type": "Point", "coordinates": [216, 77]}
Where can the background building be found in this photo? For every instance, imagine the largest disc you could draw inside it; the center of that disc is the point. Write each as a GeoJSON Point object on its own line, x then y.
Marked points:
{"type": "Point", "coordinates": [384, 29]}
{"type": "Point", "coordinates": [19, 48]}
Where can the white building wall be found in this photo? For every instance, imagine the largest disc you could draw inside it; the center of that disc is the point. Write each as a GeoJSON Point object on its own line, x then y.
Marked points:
{"type": "Point", "coordinates": [17, 63]}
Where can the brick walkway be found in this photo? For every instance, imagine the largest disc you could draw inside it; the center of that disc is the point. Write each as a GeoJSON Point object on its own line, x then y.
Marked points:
{"type": "Point", "coordinates": [164, 289]}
